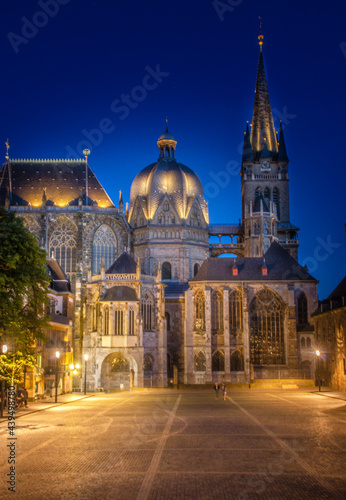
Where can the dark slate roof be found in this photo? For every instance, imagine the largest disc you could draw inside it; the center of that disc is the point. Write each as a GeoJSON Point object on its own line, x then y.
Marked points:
{"type": "Point", "coordinates": [124, 264]}
{"type": "Point", "coordinates": [339, 291]}
{"type": "Point", "coordinates": [120, 294]}
{"type": "Point", "coordinates": [281, 267]}
{"type": "Point", "coordinates": [286, 225]}
{"type": "Point", "coordinates": [59, 280]}
{"type": "Point", "coordinates": [63, 180]}
{"type": "Point", "coordinates": [175, 289]}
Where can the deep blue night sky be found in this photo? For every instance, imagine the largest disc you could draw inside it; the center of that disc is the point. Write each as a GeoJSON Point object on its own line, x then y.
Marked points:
{"type": "Point", "coordinates": [70, 74]}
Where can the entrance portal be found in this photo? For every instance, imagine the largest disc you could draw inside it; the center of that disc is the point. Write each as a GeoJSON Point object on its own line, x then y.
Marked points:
{"type": "Point", "coordinates": [117, 372]}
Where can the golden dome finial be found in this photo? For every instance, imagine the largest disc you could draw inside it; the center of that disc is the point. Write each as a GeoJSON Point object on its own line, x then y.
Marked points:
{"type": "Point", "coordinates": [260, 38]}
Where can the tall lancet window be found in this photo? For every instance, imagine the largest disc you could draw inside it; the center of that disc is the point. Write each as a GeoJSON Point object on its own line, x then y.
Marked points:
{"type": "Point", "coordinates": [104, 246]}
{"type": "Point", "coordinates": [63, 244]}
{"type": "Point", "coordinates": [217, 311]}
{"type": "Point", "coordinates": [276, 200]}
{"type": "Point", "coordinates": [267, 342]}
{"type": "Point", "coordinates": [199, 311]}
{"type": "Point", "coordinates": [148, 312]}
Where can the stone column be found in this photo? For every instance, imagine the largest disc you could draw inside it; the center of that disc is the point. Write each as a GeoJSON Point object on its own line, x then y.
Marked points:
{"type": "Point", "coordinates": [226, 333]}
{"type": "Point", "coordinates": [188, 337]}
{"type": "Point", "coordinates": [246, 335]}
{"type": "Point", "coordinates": [209, 373]}
{"type": "Point", "coordinates": [291, 332]}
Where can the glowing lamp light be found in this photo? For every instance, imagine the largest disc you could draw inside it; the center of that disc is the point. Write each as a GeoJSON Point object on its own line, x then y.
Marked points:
{"type": "Point", "coordinates": [4, 349]}
{"type": "Point", "coordinates": [86, 357]}
{"type": "Point", "coordinates": [71, 366]}
{"type": "Point", "coordinates": [57, 354]}
{"type": "Point", "coordinates": [318, 353]}
{"type": "Point", "coordinates": [75, 372]}
{"type": "Point", "coordinates": [77, 366]}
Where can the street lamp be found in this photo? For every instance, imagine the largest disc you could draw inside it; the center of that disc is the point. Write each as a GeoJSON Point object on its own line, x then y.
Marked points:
{"type": "Point", "coordinates": [318, 354]}
{"type": "Point", "coordinates": [4, 351]}
{"type": "Point", "coordinates": [57, 356]}
{"type": "Point", "coordinates": [85, 372]}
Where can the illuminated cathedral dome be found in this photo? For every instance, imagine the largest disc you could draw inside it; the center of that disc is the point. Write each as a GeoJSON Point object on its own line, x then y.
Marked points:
{"type": "Point", "coordinates": [168, 186]}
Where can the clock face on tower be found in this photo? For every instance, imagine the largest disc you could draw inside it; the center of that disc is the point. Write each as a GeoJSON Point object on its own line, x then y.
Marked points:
{"type": "Point", "coordinates": [265, 165]}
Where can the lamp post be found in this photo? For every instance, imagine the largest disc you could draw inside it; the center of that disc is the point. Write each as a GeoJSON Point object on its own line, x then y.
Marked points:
{"type": "Point", "coordinates": [57, 356]}
{"type": "Point", "coordinates": [4, 351]}
{"type": "Point", "coordinates": [318, 354]}
{"type": "Point", "coordinates": [85, 372]}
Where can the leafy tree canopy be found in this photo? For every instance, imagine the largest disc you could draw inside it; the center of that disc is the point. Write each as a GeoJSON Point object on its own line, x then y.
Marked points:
{"type": "Point", "coordinates": [23, 286]}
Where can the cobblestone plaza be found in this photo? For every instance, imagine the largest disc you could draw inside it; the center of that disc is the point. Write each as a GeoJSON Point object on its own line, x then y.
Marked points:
{"type": "Point", "coordinates": [165, 444]}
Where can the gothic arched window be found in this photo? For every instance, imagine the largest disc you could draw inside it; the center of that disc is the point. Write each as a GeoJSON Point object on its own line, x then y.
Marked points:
{"type": "Point", "coordinates": [308, 342]}
{"type": "Point", "coordinates": [257, 193]}
{"type": "Point", "coordinates": [267, 343]}
{"type": "Point", "coordinates": [266, 194]}
{"type": "Point", "coordinates": [237, 361]}
{"type": "Point", "coordinates": [302, 342]}
{"type": "Point", "coordinates": [33, 226]}
{"type": "Point", "coordinates": [216, 310]}
{"type": "Point", "coordinates": [131, 322]}
{"type": "Point", "coordinates": [302, 310]}
{"type": "Point", "coordinates": [200, 311]}
{"type": "Point", "coordinates": [200, 362]}
{"type": "Point", "coordinates": [195, 269]}
{"type": "Point", "coordinates": [148, 312]}
{"type": "Point", "coordinates": [118, 322]}
{"type": "Point", "coordinates": [63, 242]}
{"type": "Point", "coordinates": [120, 363]}
{"type": "Point", "coordinates": [235, 311]}
{"type": "Point", "coordinates": [218, 361]}
{"type": "Point", "coordinates": [276, 200]}
{"type": "Point", "coordinates": [166, 271]}
{"type": "Point", "coordinates": [104, 247]}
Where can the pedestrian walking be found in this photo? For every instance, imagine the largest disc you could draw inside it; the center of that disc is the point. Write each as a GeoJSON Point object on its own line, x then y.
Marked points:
{"type": "Point", "coordinates": [224, 391]}
{"type": "Point", "coordinates": [20, 398]}
{"type": "Point", "coordinates": [25, 396]}
{"type": "Point", "coordinates": [216, 388]}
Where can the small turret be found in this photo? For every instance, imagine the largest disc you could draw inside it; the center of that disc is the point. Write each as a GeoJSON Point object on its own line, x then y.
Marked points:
{"type": "Point", "coordinates": [247, 150]}
{"type": "Point", "coordinates": [121, 203]}
{"type": "Point", "coordinates": [282, 156]}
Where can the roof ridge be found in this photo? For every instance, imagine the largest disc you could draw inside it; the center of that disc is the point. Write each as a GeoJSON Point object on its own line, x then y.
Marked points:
{"type": "Point", "coordinates": [49, 160]}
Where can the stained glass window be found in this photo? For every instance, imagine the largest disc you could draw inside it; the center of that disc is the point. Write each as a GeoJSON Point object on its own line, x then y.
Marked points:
{"type": "Point", "coordinates": [63, 243]}
{"type": "Point", "coordinates": [267, 329]}
{"type": "Point", "coordinates": [217, 311]}
{"type": "Point", "coordinates": [200, 311]}
{"type": "Point", "coordinates": [104, 246]}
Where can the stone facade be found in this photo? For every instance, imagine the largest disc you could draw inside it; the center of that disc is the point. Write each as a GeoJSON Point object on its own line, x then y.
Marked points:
{"type": "Point", "coordinates": [204, 313]}
{"type": "Point", "coordinates": [233, 337]}
{"type": "Point", "coordinates": [330, 339]}
{"type": "Point", "coordinates": [125, 328]}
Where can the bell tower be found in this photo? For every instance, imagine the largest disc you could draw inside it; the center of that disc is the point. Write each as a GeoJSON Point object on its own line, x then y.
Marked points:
{"type": "Point", "coordinates": [264, 178]}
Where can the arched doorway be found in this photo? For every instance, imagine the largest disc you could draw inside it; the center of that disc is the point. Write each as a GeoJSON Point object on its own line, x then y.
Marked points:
{"type": "Point", "coordinates": [118, 372]}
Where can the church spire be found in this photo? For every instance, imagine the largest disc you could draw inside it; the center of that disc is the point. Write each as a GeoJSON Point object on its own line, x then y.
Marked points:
{"type": "Point", "coordinates": [262, 118]}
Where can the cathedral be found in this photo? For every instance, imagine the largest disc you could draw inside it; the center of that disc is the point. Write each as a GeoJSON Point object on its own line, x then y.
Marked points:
{"type": "Point", "coordinates": [154, 301]}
